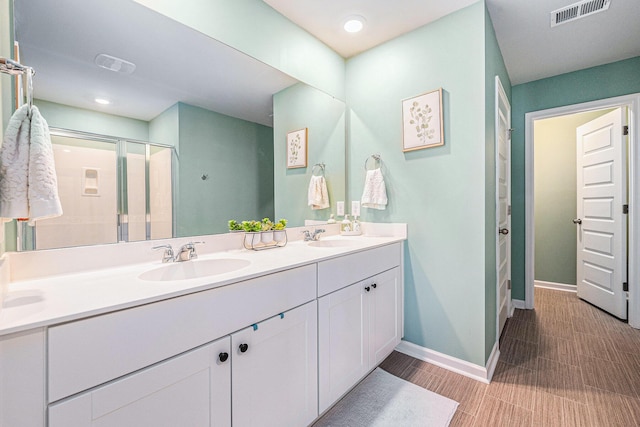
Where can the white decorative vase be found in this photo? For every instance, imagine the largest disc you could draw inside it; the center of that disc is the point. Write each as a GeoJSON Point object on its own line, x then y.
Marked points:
{"type": "Point", "coordinates": [251, 239]}
{"type": "Point", "coordinates": [279, 235]}
{"type": "Point", "coordinates": [266, 237]}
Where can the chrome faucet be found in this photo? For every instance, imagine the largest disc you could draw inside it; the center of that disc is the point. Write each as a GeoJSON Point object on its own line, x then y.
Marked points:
{"type": "Point", "coordinates": [309, 236]}
{"type": "Point", "coordinates": [167, 256]}
{"type": "Point", "coordinates": [187, 252]}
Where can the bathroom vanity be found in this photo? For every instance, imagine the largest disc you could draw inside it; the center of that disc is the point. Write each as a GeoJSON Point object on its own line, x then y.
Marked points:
{"type": "Point", "coordinates": [274, 343]}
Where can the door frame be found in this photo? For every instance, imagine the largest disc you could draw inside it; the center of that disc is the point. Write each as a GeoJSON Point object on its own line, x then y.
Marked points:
{"type": "Point", "coordinates": [632, 102]}
{"type": "Point", "coordinates": [501, 97]}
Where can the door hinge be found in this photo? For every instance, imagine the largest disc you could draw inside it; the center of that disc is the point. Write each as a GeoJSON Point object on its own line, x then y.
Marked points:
{"type": "Point", "coordinates": [509, 210]}
{"type": "Point", "coordinates": [509, 284]}
{"type": "Point", "coordinates": [625, 130]}
{"type": "Point", "coordinates": [625, 287]}
{"type": "Point", "coordinates": [625, 209]}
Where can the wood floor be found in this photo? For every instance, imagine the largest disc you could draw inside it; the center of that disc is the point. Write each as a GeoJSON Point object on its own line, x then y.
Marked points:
{"type": "Point", "coordinates": [566, 363]}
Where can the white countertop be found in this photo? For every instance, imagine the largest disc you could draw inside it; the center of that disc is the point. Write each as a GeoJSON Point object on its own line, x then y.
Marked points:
{"type": "Point", "coordinates": [56, 299]}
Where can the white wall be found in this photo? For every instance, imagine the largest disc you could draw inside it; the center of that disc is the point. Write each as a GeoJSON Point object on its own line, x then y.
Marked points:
{"type": "Point", "coordinates": [87, 219]}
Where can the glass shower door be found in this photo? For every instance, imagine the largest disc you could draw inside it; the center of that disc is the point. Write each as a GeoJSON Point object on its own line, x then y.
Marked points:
{"type": "Point", "coordinates": [87, 176]}
{"type": "Point", "coordinates": [111, 190]}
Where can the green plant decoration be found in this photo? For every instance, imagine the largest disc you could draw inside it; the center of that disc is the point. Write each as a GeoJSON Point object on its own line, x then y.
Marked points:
{"type": "Point", "coordinates": [266, 224]}
{"type": "Point", "coordinates": [280, 225]}
{"type": "Point", "coordinates": [234, 225]}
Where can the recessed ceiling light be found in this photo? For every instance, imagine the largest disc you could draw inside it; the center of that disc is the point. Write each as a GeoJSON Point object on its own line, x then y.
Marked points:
{"type": "Point", "coordinates": [354, 24]}
{"type": "Point", "coordinates": [102, 101]}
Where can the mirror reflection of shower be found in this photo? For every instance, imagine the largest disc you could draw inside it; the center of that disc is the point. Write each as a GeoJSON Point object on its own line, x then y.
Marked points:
{"type": "Point", "coordinates": [111, 190]}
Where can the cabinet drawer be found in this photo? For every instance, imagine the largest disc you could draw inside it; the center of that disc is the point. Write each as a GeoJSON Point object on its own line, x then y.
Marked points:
{"type": "Point", "coordinates": [337, 273]}
{"type": "Point", "coordinates": [191, 389]}
{"type": "Point", "coordinates": [86, 353]}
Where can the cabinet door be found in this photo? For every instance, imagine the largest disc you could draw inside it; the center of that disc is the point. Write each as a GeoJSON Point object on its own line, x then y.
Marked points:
{"type": "Point", "coordinates": [193, 389]}
{"type": "Point", "coordinates": [385, 315]}
{"type": "Point", "coordinates": [275, 370]}
{"type": "Point", "coordinates": [343, 342]}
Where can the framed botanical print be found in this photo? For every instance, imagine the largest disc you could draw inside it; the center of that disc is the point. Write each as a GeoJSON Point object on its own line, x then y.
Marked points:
{"type": "Point", "coordinates": [422, 125]}
{"type": "Point", "coordinates": [297, 149]}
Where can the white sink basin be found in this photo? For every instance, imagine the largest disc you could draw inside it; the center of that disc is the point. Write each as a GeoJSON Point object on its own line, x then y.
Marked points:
{"type": "Point", "coordinates": [332, 243]}
{"type": "Point", "coordinates": [194, 269]}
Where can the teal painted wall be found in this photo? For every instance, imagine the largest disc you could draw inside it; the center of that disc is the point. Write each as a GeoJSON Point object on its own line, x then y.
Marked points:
{"type": "Point", "coordinates": [165, 127]}
{"type": "Point", "coordinates": [439, 192]}
{"type": "Point", "coordinates": [494, 66]}
{"type": "Point", "coordinates": [238, 157]}
{"type": "Point", "coordinates": [295, 108]}
{"type": "Point", "coordinates": [256, 29]}
{"type": "Point", "coordinates": [79, 119]}
{"type": "Point", "coordinates": [605, 81]}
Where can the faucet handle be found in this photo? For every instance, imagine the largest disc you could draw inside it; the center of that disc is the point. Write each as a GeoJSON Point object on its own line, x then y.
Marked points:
{"type": "Point", "coordinates": [189, 249]}
{"type": "Point", "coordinates": [168, 252]}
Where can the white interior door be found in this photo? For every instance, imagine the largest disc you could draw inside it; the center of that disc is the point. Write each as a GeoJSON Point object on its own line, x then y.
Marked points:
{"type": "Point", "coordinates": [602, 226]}
{"type": "Point", "coordinates": [503, 204]}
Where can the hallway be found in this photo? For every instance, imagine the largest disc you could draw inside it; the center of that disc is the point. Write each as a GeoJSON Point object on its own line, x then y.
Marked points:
{"type": "Point", "coordinates": [566, 363]}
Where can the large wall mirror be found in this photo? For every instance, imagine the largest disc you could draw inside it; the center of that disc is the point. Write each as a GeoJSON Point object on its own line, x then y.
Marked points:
{"type": "Point", "coordinates": [219, 116]}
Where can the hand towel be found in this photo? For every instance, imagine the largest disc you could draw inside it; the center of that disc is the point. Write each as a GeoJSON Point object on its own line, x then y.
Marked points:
{"type": "Point", "coordinates": [44, 201]}
{"type": "Point", "coordinates": [318, 195]}
{"type": "Point", "coordinates": [14, 167]}
{"type": "Point", "coordinates": [375, 192]}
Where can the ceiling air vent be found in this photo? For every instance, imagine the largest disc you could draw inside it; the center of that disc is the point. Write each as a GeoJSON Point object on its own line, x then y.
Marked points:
{"type": "Point", "coordinates": [578, 10]}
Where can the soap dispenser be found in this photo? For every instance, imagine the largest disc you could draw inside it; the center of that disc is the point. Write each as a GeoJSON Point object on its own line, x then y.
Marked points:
{"type": "Point", "coordinates": [331, 219]}
{"type": "Point", "coordinates": [345, 225]}
{"type": "Point", "coordinates": [355, 226]}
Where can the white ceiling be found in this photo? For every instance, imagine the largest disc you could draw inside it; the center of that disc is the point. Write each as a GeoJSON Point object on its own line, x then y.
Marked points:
{"type": "Point", "coordinates": [174, 63]}
{"type": "Point", "coordinates": [384, 19]}
{"type": "Point", "coordinates": [531, 48]}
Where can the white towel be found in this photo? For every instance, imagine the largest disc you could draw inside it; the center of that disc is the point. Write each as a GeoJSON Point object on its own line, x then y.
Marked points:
{"type": "Point", "coordinates": [43, 183]}
{"type": "Point", "coordinates": [375, 192]}
{"type": "Point", "coordinates": [28, 183]}
{"type": "Point", "coordinates": [318, 195]}
{"type": "Point", "coordinates": [14, 167]}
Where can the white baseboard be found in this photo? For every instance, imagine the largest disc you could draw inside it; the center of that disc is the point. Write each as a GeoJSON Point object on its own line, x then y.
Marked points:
{"type": "Point", "coordinates": [556, 286]}
{"type": "Point", "coordinates": [476, 372]}
{"type": "Point", "coordinates": [518, 303]}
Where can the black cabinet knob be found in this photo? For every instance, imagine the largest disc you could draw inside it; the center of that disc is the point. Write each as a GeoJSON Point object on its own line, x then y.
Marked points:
{"type": "Point", "coordinates": [244, 347]}
{"type": "Point", "coordinates": [366, 288]}
{"type": "Point", "coordinates": [374, 285]}
{"type": "Point", "coordinates": [223, 357]}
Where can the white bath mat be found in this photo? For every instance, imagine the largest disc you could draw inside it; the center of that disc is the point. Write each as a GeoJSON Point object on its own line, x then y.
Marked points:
{"type": "Point", "coordinates": [384, 400]}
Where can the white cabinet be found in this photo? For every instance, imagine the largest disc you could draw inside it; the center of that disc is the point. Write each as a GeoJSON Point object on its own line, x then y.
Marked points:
{"type": "Point", "coordinates": [186, 361]}
{"type": "Point", "coordinates": [22, 379]}
{"type": "Point", "coordinates": [191, 389]}
{"type": "Point", "coordinates": [385, 315]}
{"type": "Point", "coordinates": [90, 352]}
{"type": "Point", "coordinates": [358, 327]}
{"type": "Point", "coordinates": [274, 370]}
